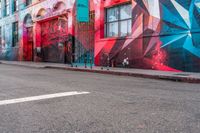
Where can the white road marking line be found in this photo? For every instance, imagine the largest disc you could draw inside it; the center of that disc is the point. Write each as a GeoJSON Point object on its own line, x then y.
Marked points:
{"type": "Point", "coordinates": [41, 97]}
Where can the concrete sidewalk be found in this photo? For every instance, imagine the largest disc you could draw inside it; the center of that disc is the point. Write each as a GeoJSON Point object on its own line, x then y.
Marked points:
{"type": "Point", "coordinates": [153, 74]}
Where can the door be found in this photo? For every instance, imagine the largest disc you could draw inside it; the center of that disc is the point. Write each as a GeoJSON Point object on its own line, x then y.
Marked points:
{"type": "Point", "coordinates": [30, 47]}
{"type": "Point", "coordinates": [54, 37]}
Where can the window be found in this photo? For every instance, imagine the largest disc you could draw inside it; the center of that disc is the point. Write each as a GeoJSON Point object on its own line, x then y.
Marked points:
{"type": "Point", "coordinates": [0, 9]}
{"type": "Point", "coordinates": [15, 34]}
{"type": "Point", "coordinates": [118, 21]}
{"type": "Point", "coordinates": [28, 2]}
{"type": "Point", "coordinates": [7, 7]}
{"type": "Point", "coordinates": [16, 3]}
{"type": "Point", "coordinates": [0, 38]}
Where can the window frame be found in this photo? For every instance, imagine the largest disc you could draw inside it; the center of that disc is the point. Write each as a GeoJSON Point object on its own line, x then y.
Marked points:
{"type": "Point", "coordinates": [0, 36]}
{"type": "Point", "coordinates": [0, 8]}
{"type": "Point", "coordinates": [28, 2]}
{"type": "Point", "coordinates": [15, 32]}
{"type": "Point", "coordinates": [7, 7]}
{"type": "Point", "coordinates": [106, 22]}
{"type": "Point", "coordinates": [16, 5]}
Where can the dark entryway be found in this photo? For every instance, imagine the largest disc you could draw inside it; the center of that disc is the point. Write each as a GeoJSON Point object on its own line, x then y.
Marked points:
{"type": "Point", "coordinates": [30, 46]}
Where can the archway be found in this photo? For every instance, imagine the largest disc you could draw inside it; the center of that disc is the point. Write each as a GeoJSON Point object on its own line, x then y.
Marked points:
{"type": "Point", "coordinates": [59, 6]}
{"type": "Point", "coordinates": [41, 12]}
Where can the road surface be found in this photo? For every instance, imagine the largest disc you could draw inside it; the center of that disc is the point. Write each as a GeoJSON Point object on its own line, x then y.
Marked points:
{"type": "Point", "coordinates": [46, 101]}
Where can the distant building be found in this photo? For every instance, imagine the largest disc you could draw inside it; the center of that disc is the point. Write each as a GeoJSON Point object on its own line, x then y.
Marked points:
{"type": "Point", "coordinates": [151, 34]}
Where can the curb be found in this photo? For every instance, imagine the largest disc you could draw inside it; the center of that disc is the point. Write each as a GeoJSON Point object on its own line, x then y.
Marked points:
{"type": "Point", "coordinates": [160, 77]}
{"type": "Point", "coordinates": [21, 65]}
{"type": "Point", "coordinates": [139, 75]}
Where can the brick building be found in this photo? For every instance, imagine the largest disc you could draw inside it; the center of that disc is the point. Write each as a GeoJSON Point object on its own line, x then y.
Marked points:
{"type": "Point", "coordinates": [148, 34]}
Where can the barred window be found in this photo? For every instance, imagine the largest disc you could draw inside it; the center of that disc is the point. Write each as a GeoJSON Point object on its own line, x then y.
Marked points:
{"type": "Point", "coordinates": [118, 21]}
{"type": "Point", "coordinates": [0, 38]}
{"type": "Point", "coordinates": [16, 4]}
{"type": "Point", "coordinates": [15, 34]}
{"type": "Point", "coordinates": [7, 7]}
{"type": "Point", "coordinates": [0, 9]}
{"type": "Point", "coordinates": [28, 2]}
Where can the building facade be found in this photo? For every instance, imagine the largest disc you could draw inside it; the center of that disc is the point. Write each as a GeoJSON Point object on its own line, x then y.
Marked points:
{"type": "Point", "coordinates": [146, 34]}
{"type": "Point", "coordinates": [33, 30]}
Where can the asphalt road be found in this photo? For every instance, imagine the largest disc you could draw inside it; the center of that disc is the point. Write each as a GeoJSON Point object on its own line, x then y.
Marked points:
{"type": "Point", "coordinates": [115, 104]}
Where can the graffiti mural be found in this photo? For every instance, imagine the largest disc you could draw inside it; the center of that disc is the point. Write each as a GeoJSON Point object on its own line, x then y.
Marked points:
{"type": "Point", "coordinates": [54, 37]}
{"type": "Point", "coordinates": [162, 34]}
{"type": "Point", "coordinates": [29, 47]}
{"type": "Point", "coordinates": [165, 36]}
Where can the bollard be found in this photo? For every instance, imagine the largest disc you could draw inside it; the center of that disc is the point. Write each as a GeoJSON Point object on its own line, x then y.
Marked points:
{"type": "Point", "coordinates": [72, 60]}
{"type": "Point", "coordinates": [101, 63]}
{"type": "Point", "coordinates": [90, 62]}
{"type": "Point", "coordinates": [108, 62]}
{"type": "Point", "coordinates": [85, 61]}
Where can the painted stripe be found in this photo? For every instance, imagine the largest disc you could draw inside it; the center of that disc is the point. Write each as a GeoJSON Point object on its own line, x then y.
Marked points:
{"type": "Point", "coordinates": [41, 97]}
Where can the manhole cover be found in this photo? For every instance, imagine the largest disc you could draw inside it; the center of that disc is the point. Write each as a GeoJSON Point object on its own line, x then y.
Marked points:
{"type": "Point", "coordinates": [182, 74]}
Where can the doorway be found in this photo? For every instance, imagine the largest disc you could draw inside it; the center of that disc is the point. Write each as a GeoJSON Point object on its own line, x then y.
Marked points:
{"type": "Point", "coordinates": [28, 38]}
{"type": "Point", "coordinates": [54, 39]}
{"type": "Point", "coordinates": [30, 44]}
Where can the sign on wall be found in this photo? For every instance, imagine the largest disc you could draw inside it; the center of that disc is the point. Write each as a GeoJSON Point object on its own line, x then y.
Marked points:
{"type": "Point", "coordinates": [82, 7]}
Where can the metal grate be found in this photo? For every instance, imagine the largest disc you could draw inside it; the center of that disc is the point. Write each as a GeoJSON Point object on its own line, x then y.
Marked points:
{"type": "Point", "coordinates": [84, 42]}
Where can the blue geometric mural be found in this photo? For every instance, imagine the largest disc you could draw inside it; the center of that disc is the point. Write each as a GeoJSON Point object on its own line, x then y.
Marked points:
{"type": "Point", "coordinates": [182, 19]}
